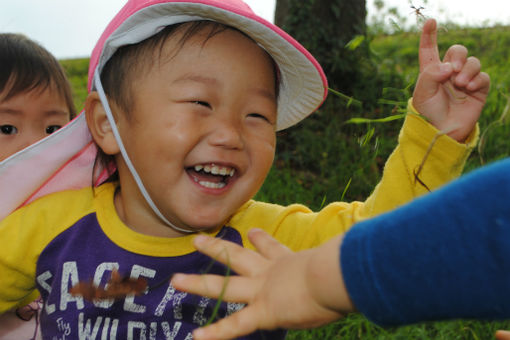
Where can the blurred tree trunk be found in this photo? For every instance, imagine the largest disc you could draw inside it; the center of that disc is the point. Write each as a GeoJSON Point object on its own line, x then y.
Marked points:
{"type": "Point", "coordinates": [324, 27]}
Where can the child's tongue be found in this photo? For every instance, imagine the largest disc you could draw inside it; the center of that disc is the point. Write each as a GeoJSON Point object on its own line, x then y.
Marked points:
{"type": "Point", "coordinates": [206, 177]}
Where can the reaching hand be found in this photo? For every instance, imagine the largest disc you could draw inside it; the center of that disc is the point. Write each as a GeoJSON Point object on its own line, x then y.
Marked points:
{"type": "Point", "coordinates": [282, 289]}
{"type": "Point", "coordinates": [452, 93]}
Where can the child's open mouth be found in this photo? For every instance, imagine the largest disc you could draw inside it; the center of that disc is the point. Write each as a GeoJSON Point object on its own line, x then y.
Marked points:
{"type": "Point", "coordinates": [211, 176]}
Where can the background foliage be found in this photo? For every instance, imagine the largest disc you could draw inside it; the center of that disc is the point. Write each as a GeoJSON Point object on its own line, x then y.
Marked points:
{"type": "Point", "coordinates": [324, 159]}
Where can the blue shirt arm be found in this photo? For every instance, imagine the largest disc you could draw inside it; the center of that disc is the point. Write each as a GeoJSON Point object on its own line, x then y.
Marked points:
{"type": "Point", "coordinates": [445, 255]}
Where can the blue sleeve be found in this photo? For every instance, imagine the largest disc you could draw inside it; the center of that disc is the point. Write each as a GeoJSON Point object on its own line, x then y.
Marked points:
{"type": "Point", "coordinates": [445, 255]}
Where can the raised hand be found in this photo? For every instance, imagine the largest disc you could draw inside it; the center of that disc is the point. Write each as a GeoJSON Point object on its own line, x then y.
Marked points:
{"type": "Point", "coordinates": [282, 289]}
{"type": "Point", "coordinates": [451, 93]}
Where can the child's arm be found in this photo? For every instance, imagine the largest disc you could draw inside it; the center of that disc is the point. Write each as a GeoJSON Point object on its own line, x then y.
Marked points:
{"type": "Point", "coordinates": [450, 95]}
{"type": "Point", "coordinates": [442, 256]}
{"type": "Point", "coordinates": [25, 233]}
{"type": "Point", "coordinates": [439, 257]}
{"type": "Point", "coordinates": [17, 262]}
{"type": "Point", "coordinates": [414, 168]}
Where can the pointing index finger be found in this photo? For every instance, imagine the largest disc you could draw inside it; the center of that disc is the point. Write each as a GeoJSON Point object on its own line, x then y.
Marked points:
{"type": "Point", "coordinates": [428, 52]}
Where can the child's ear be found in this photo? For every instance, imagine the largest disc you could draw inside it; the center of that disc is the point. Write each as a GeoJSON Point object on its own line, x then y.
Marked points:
{"type": "Point", "coordinates": [99, 125]}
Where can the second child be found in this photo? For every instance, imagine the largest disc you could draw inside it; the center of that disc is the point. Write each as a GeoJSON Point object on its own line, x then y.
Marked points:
{"type": "Point", "coordinates": [35, 101]}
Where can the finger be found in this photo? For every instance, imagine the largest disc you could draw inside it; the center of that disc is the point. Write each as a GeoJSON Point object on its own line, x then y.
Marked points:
{"type": "Point", "coordinates": [230, 289]}
{"type": "Point", "coordinates": [266, 245]}
{"type": "Point", "coordinates": [480, 83]}
{"type": "Point", "coordinates": [431, 79]}
{"type": "Point", "coordinates": [502, 335]}
{"type": "Point", "coordinates": [428, 52]}
{"type": "Point", "coordinates": [456, 55]}
{"type": "Point", "coordinates": [469, 71]}
{"type": "Point", "coordinates": [238, 324]}
{"type": "Point", "coordinates": [243, 261]}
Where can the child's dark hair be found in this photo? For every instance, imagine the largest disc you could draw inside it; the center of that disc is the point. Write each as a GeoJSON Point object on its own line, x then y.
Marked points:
{"type": "Point", "coordinates": [25, 66]}
{"type": "Point", "coordinates": [129, 61]}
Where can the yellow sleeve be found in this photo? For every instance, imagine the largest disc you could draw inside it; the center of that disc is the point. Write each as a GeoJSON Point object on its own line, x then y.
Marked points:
{"type": "Point", "coordinates": [25, 233]}
{"type": "Point", "coordinates": [299, 228]}
{"type": "Point", "coordinates": [440, 157]}
{"type": "Point", "coordinates": [18, 257]}
{"type": "Point", "coordinates": [296, 226]}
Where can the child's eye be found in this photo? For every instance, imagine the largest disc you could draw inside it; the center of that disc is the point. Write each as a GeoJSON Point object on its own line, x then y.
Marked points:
{"type": "Point", "coordinates": [52, 128]}
{"type": "Point", "coordinates": [202, 103]}
{"type": "Point", "coordinates": [8, 129]}
{"type": "Point", "coordinates": [259, 116]}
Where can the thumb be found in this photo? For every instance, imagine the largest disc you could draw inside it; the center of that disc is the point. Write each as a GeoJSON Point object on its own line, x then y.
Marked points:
{"type": "Point", "coordinates": [431, 78]}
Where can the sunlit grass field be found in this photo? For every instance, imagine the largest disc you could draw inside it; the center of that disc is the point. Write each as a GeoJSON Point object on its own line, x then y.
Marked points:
{"type": "Point", "coordinates": [324, 159]}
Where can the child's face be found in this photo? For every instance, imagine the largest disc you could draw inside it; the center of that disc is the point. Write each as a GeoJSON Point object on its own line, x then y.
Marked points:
{"type": "Point", "coordinates": [202, 131]}
{"type": "Point", "coordinates": [28, 117]}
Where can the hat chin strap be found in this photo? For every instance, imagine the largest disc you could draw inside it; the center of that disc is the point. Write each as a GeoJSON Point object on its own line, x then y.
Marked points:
{"type": "Point", "coordinates": [141, 187]}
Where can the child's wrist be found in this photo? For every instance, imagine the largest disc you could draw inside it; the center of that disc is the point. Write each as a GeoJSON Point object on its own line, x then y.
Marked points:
{"type": "Point", "coordinates": [325, 279]}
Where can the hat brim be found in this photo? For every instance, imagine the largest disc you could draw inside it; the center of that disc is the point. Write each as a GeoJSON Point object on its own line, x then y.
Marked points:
{"type": "Point", "coordinates": [303, 85]}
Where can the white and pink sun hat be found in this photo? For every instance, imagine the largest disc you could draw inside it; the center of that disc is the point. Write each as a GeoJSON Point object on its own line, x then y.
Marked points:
{"type": "Point", "coordinates": [65, 159]}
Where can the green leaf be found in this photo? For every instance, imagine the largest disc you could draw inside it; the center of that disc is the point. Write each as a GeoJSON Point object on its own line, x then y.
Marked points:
{"type": "Point", "coordinates": [367, 137]}
{"type": "Point", "coordinates": [355, 42]}
{"type": "Point", "coordinates": [350, 100]}
{"type": "Point", "coordinates": [361, 120]}
{"type": "Point", "coordinates": [345, 190]}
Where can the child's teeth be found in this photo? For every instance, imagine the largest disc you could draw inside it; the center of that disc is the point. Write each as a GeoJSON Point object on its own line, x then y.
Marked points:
{"type": "Point", "coordinates": [212, 185]}
{"type": "Point", "coordinates": [215, 170]}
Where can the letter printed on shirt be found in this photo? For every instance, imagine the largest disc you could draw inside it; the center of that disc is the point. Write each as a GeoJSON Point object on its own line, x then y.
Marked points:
{"type": "Point", "coordinates": [129, 302]}
{"type": "Point", "coordinates": [41, 280]}
{"type": "Point", "coordinates": [84, 331]}
{"type": "Point", "coordinates": [98, 276]}
{"type": "Point", "coordinates": [69, 279]}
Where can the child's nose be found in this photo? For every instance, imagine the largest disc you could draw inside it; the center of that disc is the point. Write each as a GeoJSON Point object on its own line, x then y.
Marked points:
{"type": "Point", "coordinates": [226, 133]}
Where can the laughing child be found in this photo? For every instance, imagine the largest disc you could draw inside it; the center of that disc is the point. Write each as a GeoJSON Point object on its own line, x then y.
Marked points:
{"type": "Point", "coordinates": [185, 98]}
{"type": "Point", "coordinates": [35, 101]}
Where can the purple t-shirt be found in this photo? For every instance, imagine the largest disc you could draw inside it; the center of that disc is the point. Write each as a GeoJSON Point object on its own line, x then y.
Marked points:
{"type": "Point", "coordinates": [83, 252]}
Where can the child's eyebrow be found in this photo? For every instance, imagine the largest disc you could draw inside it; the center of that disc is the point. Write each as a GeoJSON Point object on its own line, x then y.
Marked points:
{"type": "Point", "coordinates": [13, 112]}
{"type": "Point", "coordinates": [7, 111]}
{"type": "Point", "coordinates": [214, 82]}
{"type": "Point", "coordinates": [56, 113]}
{"type": "Point", "coordinates": [265, 93]}
{"type": "Point", "coordinates": [198, 79]}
